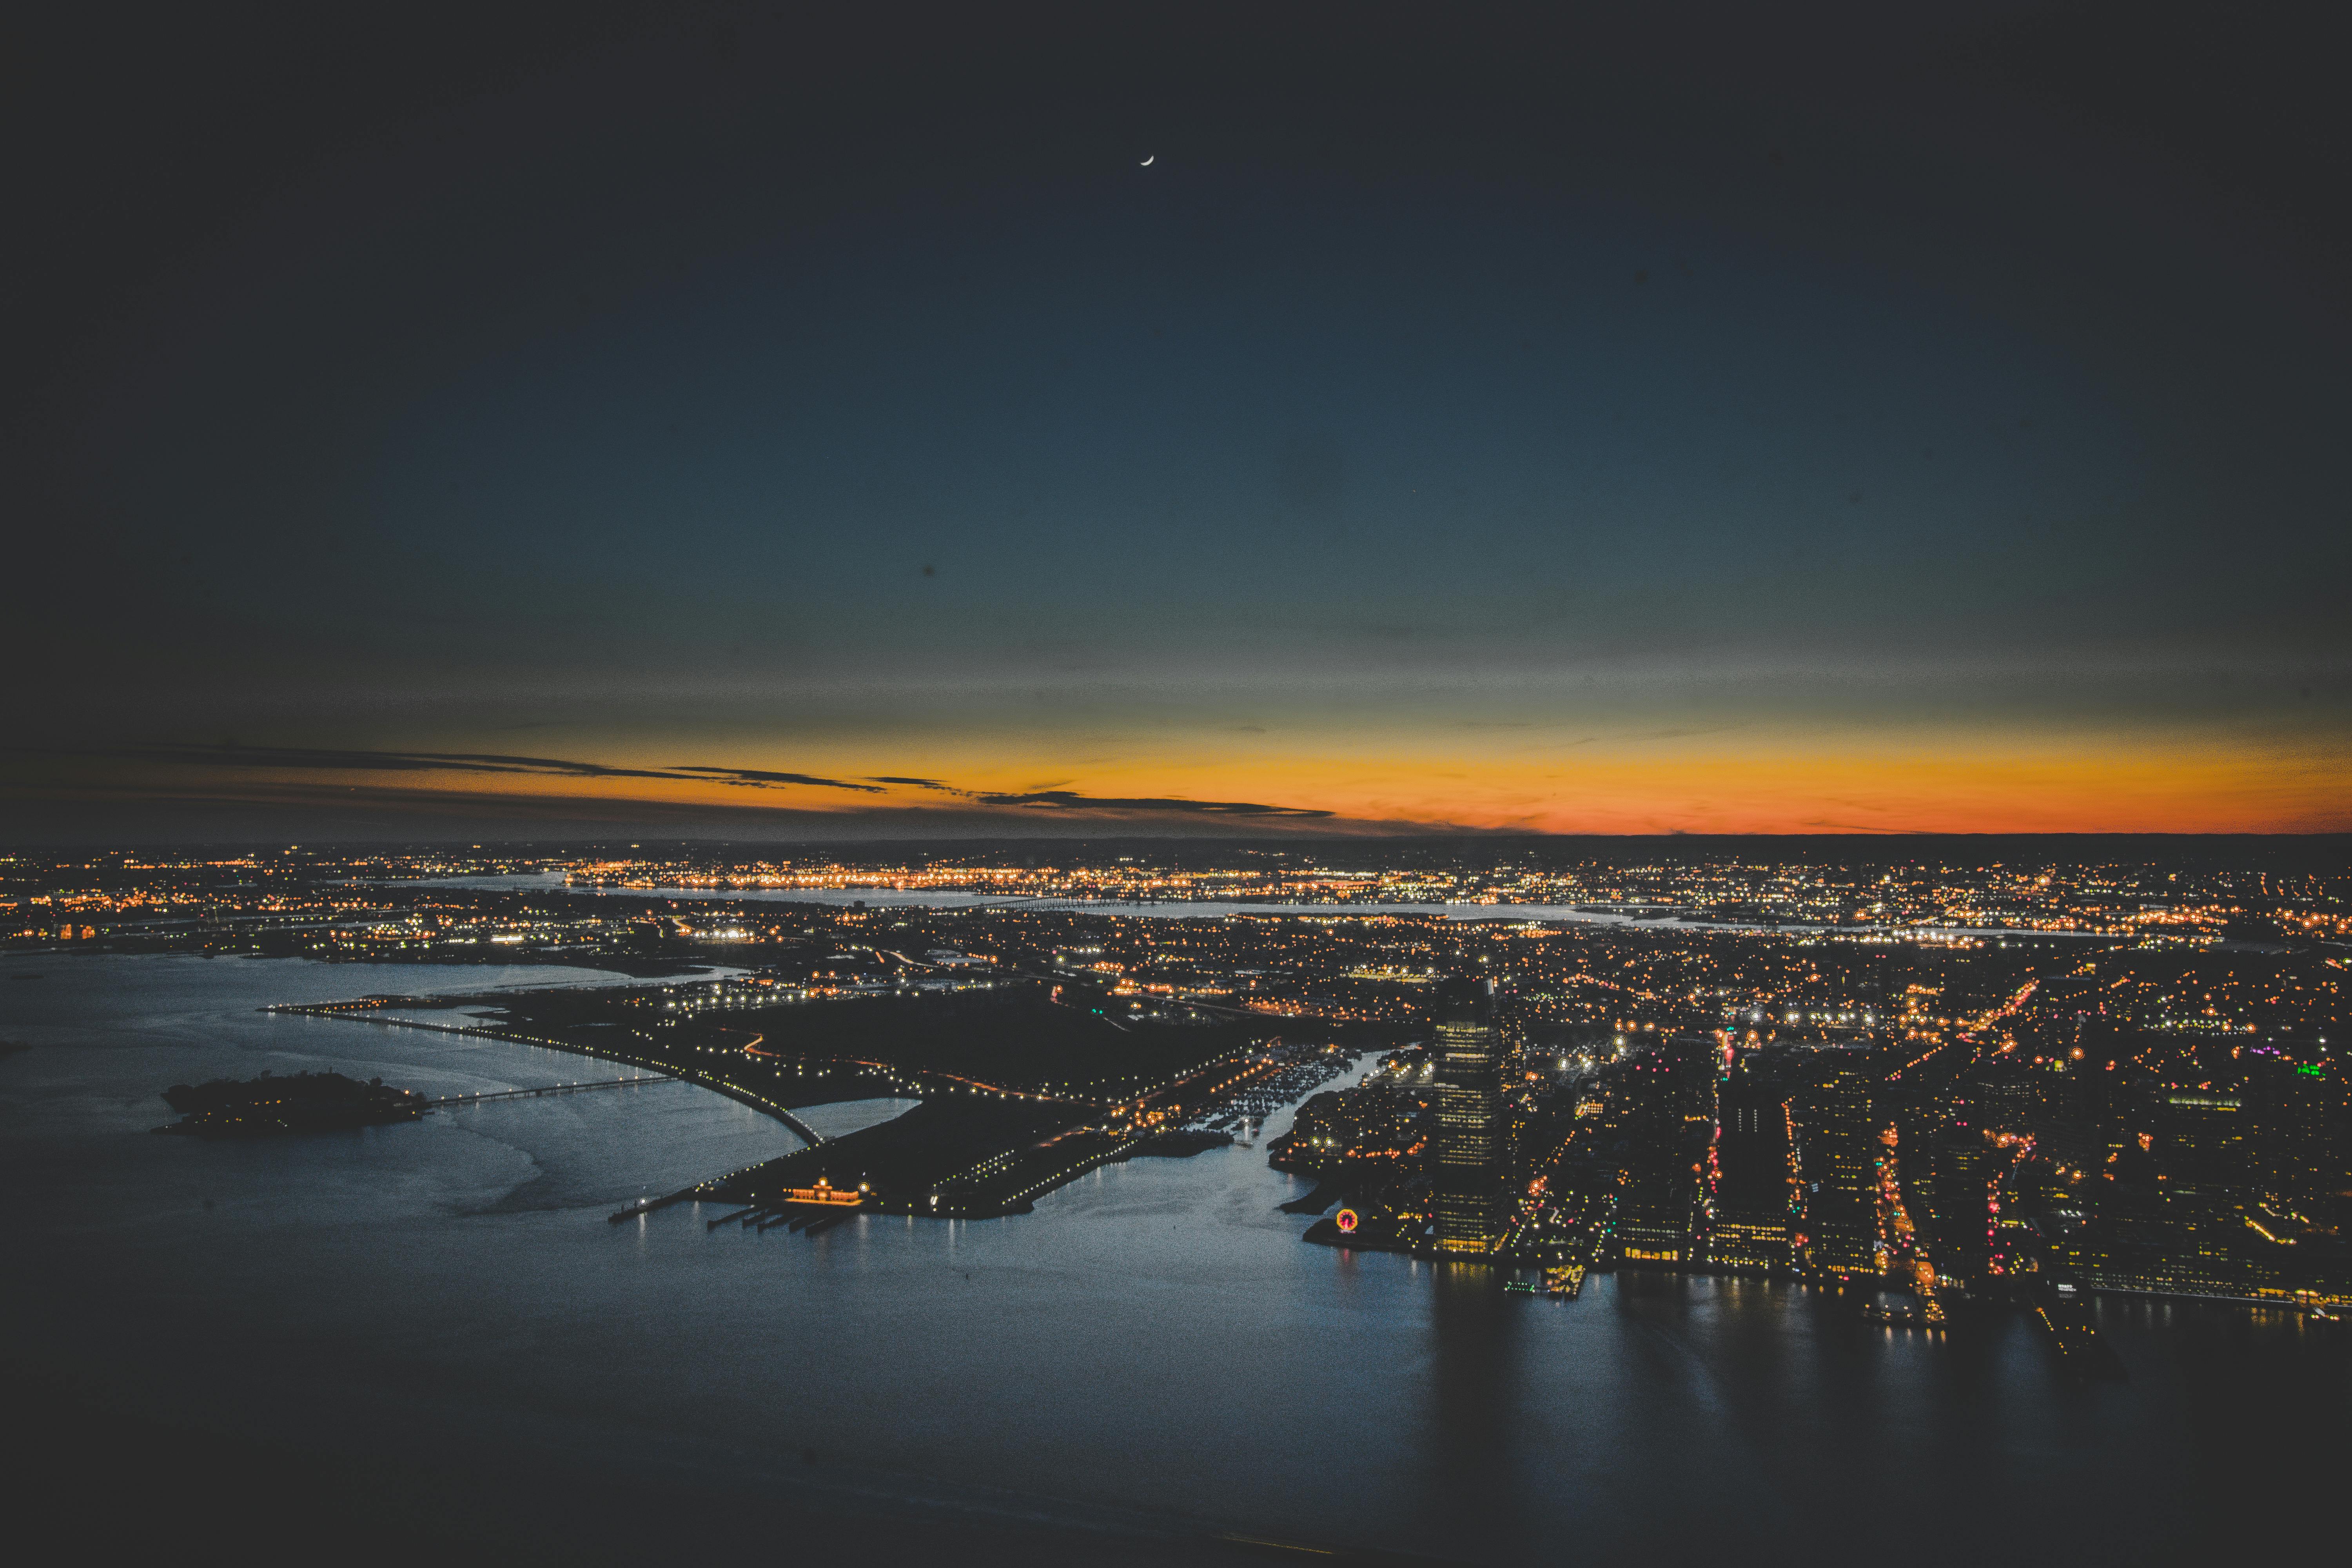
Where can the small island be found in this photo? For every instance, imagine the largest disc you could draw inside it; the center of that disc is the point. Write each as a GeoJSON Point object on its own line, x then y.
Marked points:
{"type": "Point", "coordinates": [267, 1106]}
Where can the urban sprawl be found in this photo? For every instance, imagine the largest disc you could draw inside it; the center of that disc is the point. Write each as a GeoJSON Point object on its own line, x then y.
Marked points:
{"type": "Point", "coordinates": [1915, 1076]}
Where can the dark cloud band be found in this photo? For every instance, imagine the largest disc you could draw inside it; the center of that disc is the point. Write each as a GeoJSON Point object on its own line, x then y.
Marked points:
{"type": "Point", "coordinates": [1066, 800]}
{"type": "Point", "coordinates": [338, 759]}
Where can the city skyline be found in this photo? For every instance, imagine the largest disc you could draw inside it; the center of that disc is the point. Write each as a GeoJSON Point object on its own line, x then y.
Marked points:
{"type": "Point", "coordinates": [1175, 785]}
{"type": "Point", "coordinates": [1530, 1173]}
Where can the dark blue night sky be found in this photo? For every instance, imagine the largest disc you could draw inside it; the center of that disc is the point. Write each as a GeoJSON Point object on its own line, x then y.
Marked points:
{"type": "Point", "coordinates": [1680, 425]}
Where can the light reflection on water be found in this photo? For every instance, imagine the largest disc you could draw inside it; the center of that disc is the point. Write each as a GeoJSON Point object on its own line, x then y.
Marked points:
{"type": "Point", "coordinates": [1155, 1337]}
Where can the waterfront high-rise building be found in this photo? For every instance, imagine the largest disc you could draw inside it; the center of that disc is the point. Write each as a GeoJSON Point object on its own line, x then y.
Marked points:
{"type": "Point", "coordinates": [1963, 1206]}
{"type": "Point", "coordinates": [1658, 1211]}
{"type": "Point", "coordinates": [1838, 1153]}
{"type": "Point", "coordinates": [1469, 1181]}
{"type": "Point", "coordinates": [1754, 1173]}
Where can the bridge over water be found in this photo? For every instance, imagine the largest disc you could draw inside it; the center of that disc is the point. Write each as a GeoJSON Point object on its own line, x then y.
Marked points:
{"type": "Point", "coordinates": [548, 1088]}
{"type": "Point", "coordinates": [371, 1010]}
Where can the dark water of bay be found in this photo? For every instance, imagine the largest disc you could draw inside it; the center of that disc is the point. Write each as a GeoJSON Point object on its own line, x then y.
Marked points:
{"type": "Point", "coordinates": [1152, 1351]}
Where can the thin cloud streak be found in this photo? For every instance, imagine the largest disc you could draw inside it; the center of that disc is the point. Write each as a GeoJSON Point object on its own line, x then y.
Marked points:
{"type": "Point", "coordinates": [758, 778]}
{"type": "Point", "coordinates": [1068, 800]}
{"type": "Point", "coordinates": [330, 760]}
{"type": "Point", "coordinates": [337, 760]}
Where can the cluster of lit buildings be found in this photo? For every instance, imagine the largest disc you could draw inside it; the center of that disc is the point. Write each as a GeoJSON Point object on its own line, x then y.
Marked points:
{"type": "Point", "coordinates": [1975, 1150]}
{"type": "Point", "coordinates": [1941, 1076]}
{"type": "Point", "coordinates": [50, 897]}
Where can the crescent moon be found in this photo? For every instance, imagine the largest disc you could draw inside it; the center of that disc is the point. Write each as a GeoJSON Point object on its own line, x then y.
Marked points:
{"type": "Point", "coordinates": [1148, 161]}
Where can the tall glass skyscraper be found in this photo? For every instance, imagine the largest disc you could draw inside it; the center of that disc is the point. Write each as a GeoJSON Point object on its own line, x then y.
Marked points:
{"type": "Point", "coordinates": [1470, 1164]}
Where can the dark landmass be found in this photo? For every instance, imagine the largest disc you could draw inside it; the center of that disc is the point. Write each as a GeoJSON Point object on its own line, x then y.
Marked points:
{"type": "Point", "coordinates": [267, 1106]}
{"type": "Point", "coordinates": [1011, 1034]}
{"type": "Point", "coordinates": [949, 1146]}
{"type": "Point", "coordinates": [635, 967]}
{"type": "Point", "coordinates": [11, 1048]}
{"type": "Point", "coordinates": [1016, 1036]}
{"type": "Point", "coordinates": [1320, 1200]}
{"type": "Point", "coordinates": [1021, 1092]}
{"type": "Point", "coordinates": [1181, 1145]}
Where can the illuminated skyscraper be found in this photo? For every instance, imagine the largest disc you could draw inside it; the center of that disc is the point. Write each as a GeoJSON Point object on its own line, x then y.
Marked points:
{"type": "Point", "coordinates": [1840, 1158]}
{"type": "Point", "coordinates": [1468, 1188]}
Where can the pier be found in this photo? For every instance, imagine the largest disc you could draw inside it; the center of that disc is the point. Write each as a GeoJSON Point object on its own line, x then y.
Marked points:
{"type": "Point", "coordinates": [550, 1089]}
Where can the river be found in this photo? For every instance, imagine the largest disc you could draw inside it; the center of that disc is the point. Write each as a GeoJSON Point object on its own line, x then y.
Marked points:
{"type": "Point", "coordinates": [1152, 1349]}
{"type": "Point", "coordinates": [1220, 909]}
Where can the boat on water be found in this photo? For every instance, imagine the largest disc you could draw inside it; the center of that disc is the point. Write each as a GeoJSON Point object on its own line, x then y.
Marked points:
{"type": "Point", "coordinates": [1563, 1282]}
{"type": "Point", "coordinates": [1897, 1317]}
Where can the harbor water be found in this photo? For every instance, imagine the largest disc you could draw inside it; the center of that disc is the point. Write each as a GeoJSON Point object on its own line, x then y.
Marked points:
{"type": "Point", "coordinates": [1152, 1349]}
